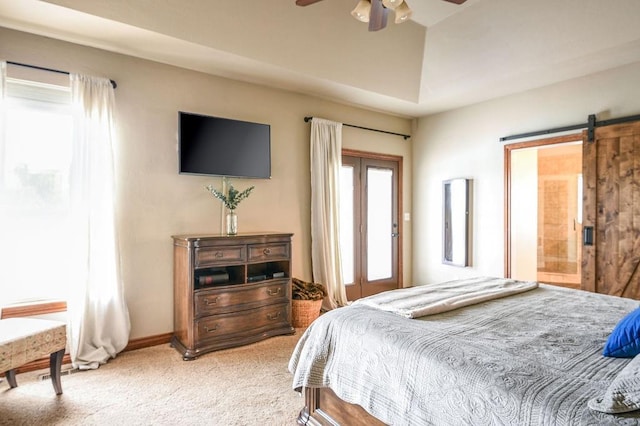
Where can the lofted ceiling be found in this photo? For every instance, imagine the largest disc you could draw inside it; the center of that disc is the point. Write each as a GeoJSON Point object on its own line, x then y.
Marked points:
{"type": "Point", "coordinates": [447, 57]}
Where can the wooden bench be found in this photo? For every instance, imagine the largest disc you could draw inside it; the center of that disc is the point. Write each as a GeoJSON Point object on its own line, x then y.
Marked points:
{"type": "Point", "coordinates": [23, 340]}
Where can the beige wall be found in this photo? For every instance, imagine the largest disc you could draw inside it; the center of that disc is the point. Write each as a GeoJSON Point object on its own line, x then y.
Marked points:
{"type": "Point", "coordinates": [155, 202]}
{"type": "Point", "coordinates": [466, 143]}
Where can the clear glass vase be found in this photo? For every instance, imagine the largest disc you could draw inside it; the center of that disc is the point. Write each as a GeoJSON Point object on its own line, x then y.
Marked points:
{"type": "Point", "coordinates": [232, 222]}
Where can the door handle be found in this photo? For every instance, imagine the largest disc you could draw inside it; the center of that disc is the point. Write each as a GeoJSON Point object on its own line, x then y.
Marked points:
{"type": "Point", "coordinates": [587, 235]}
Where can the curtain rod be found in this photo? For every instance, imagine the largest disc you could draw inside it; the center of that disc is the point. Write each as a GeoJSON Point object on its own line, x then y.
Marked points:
{"type": "Point", "coordinates": [405, 137]}
{"type": "Point", "coordinates": [36, 67]}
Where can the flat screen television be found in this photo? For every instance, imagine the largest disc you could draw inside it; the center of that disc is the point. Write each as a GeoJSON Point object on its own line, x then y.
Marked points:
{"type": "Point", "coordinates": [223, 147]}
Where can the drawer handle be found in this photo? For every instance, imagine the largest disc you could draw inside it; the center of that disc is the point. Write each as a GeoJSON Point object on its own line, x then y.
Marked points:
{"type": "Point", "coordinates": [219, 254]}
{"type": "Point", "coordinates": [211, 301]}
{"type": "Point", "coordinates": [266, 251]}
{"type": "Point", "coordinates": [273, 316]}
{"type": "Point", "coordinates": [274, 293]}
{"type": "Point", "coordinates": [210, 330]}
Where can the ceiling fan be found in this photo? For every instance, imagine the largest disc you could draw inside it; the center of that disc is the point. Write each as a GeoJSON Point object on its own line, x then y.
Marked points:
{"type": "Point", "coordinates": [375, 11]}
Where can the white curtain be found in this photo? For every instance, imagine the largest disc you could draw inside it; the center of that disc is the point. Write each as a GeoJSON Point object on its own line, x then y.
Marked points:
{"type": "Point", "coordinates": [326, 162]}
{"type": "Point", "coordinates": [3, 91]}
{"type": "Point", "coordinates": [98, 317]}
{"type": "Point", "coordinates": [3, 78]}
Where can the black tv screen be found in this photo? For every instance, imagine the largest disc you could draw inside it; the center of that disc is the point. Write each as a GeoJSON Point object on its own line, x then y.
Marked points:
{"type": "Point", "coordinates": [223, 147]}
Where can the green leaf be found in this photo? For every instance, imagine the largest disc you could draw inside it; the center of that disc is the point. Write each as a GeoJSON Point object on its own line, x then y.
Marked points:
{"type": "Point", "coordinates": [232, 198]}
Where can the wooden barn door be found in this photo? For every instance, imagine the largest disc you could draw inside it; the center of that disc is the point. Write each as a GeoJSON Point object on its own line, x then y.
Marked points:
{"type": "Point", "coordinates": [611, 214]}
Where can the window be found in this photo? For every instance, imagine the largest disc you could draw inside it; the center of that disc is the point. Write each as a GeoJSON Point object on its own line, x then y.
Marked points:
{"type": "Point", "coordinates": [35, 160]}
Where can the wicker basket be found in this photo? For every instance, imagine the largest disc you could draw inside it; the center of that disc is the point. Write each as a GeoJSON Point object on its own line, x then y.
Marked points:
{"type": "Point", "coordinates": [304, 312]}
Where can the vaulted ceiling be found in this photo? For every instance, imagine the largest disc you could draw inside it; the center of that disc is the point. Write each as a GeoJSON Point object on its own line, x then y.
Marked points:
{"type": "Point", "coordinates": [447, 57]}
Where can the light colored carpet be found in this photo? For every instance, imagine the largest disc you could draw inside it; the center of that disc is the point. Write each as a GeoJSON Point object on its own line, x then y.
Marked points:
{"type": "Point", "coordinates": [154, 386]}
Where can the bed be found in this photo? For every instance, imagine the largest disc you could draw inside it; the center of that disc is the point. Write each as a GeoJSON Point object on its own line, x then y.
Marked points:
{"type": "Point", "coordinates": [534, 357]}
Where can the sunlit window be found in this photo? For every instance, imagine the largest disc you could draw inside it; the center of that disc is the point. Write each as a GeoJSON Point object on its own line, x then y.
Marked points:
{"type": "Point", "coordinates": [35, 159]}
{"type": "Point", "coordinates": [379, 219]}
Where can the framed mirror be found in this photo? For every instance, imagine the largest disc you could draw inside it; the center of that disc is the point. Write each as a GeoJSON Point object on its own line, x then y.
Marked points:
{"type": "Point", "coordinates": [455, 248]}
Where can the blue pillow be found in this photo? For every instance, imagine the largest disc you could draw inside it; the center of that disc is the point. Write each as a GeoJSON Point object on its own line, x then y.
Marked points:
{"type": "Point", "coordinates": [624, 340]}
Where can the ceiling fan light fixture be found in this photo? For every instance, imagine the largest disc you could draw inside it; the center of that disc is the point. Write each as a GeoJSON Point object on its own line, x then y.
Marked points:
{"type": "Point", "coordinates": [362, 11]}
{"type": "Point", "coordinates": [403, 13]}
{"type": "Point", "coordinates": [392, 4]}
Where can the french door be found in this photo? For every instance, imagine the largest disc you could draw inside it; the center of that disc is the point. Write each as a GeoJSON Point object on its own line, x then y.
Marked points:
{"type": "Point", "coordinates": [369, 228]}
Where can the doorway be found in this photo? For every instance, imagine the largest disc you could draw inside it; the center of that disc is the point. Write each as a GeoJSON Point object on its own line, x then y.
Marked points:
{"type": "Point", "coordinates": [370, 231]}
{"type": "Point", "coordinates": [544, 211]}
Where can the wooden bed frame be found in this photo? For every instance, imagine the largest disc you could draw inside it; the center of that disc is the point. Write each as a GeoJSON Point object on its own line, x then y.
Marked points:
{"type": "Point", "coordinates": [324, 408]}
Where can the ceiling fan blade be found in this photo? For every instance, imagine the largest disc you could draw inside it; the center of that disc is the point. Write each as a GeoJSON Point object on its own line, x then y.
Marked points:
{"type": "Point", "coordinates": [456, 1]}
{"type": "Point", "coordinates": [378, 16]}
{"type": "Point", "coordinates": [306, 2]}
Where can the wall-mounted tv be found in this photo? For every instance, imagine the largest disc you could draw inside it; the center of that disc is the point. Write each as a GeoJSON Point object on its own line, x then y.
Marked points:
{"type": "Point", "coordinates": [223, 147]}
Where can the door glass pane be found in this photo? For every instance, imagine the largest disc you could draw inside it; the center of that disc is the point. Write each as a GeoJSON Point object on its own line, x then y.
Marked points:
{"type": "Point", "coordinates": [379, 223]}
{"type": "Point", "coordinates": [346, 224]}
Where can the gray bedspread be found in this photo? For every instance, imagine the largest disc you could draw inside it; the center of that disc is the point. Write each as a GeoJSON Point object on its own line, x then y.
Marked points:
{"type": "Point", "coordinates": [530, 359]}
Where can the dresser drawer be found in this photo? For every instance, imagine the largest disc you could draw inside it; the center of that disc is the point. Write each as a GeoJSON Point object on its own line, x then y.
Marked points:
{"type": "Point", "coordinates": [249, 321]}
{"type": "Point", "coordinates": [234, 298]}
{"type": "Point", "coordinates": [208, 256]}
{"type": "Point", "coordinates": [265, 252]}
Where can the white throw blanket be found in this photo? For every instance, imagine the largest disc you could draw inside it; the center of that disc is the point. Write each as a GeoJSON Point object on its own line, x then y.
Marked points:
{"type": "Point", "coordinates": [414, 302]}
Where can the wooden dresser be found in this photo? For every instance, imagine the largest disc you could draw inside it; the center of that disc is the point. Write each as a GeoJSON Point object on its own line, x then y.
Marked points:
{"type": "Point", "coordinates": [230, 290]}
